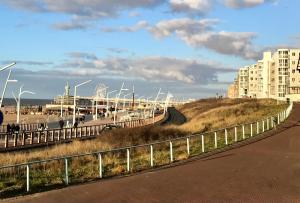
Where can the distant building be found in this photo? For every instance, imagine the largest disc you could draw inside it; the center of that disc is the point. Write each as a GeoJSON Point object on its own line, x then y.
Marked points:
{"type": "Point", "coordinates": [233, 90]}
{"type": "Point", "coordinates": [66, 102]}
{"type": "Point", "coordinates": [274, 76]}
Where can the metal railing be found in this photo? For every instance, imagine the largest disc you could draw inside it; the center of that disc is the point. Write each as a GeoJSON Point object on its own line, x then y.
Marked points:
{"type": "Point", "coordinates": [34, 175]}
{"type": "Point", "coordinates": [38, 137]}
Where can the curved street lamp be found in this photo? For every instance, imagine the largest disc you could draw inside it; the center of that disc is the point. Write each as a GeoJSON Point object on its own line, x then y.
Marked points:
{"type": "Point", "coordinates": [75, 92]}
{"type": "Point", "coordinates": [7, 81]}
{"type": "Point", "coordinates": [18, 100]}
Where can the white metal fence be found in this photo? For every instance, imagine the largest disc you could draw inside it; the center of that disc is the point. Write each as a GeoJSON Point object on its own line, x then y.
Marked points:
{"type": "Point", "coordinates": [34, 175]}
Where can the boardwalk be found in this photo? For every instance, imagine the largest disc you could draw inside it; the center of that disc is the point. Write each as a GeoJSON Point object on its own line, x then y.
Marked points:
{"type": "Point", "coordinates": [264, 171]}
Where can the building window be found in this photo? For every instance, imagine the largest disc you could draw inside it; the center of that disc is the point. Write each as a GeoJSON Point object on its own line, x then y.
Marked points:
{"type": "Point", "coordinates": [293, 54]}
{"type": "Point", "coordinates": [293, 79]}
{"type": "Point", "coordinates": [293, 71]}
{"type": "Point", "coordinates": [293, 62]}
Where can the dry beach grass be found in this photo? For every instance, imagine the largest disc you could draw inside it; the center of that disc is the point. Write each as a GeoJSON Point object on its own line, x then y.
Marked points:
{"type": "Point", "coordinates": [202, 115]}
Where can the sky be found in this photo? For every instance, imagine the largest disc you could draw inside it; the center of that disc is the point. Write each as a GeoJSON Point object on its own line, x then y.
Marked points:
{"type": "Point", "coordinates": [191, 48]}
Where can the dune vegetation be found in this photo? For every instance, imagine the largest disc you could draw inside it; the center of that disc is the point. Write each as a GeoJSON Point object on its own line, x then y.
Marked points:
{"type": "Point", "coordinates": [203, 115]}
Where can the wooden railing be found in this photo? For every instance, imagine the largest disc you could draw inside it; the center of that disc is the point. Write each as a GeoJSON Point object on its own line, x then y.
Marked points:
{"type": "Point", "coordinates": [38, 137]}
{"type": "Point", "coordinates": [23, 127]}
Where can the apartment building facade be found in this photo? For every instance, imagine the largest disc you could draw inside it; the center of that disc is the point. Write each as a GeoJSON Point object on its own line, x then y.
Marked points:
{"type": "Point", "coordinates": [276, 75]}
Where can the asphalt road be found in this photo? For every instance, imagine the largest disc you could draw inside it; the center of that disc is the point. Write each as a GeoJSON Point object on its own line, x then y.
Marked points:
{"type": "Point", "coordinates": [174, 117]}
{"type": "Point", "coordinates": [264, 171]}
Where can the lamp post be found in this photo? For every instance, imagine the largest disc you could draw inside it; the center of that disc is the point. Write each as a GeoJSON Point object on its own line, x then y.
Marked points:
{"type": "Point", "coordinates": [154, 106]}
{"type": "Point", "coordinates": [7, 66]}
{"type": "Point", "coordinates": [107, 97]}
{"type": "Point", "coordinates": [96, 113]}
{"type": "Point", "coordinates": [19, 101]}
{"type": "Point", "coordinates": [124, 100]}
{"type": "Point", "coordinates": [7, 81]}
{"type": "Point", "coordinates": [140, 100]}
{"type": "Point", "coordinates": [75, 92]}
{"type": "Point", "coordinates": [117, 100]}
{"type": "Point", "coordinates": [169, 96]}
{"type": "Point", "coordinates": [147, 104]}
{"type": "Point", "coordinates": [61, 105]}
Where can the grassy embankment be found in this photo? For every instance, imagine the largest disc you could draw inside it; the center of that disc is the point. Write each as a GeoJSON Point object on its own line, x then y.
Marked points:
{"type": "Point", "coordinates": [203, 115]}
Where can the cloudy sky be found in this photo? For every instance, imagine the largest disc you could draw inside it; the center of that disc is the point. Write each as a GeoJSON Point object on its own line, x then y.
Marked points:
{"type": "Point", "coordinates": [191, 48]}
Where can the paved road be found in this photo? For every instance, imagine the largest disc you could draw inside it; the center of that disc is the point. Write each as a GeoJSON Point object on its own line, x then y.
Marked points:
{"type": "Point", "coordinates": [174, 117]}
{"type": "Point", "coordinates": [264, 171]}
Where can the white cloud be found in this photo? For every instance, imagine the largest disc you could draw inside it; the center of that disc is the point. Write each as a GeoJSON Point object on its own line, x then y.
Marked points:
{"type": "Point", "coordinates": [244, 3]}
{"type": "Point", "coordinates": [194, 7]}
{"type": "Point", "coordinates": [134, 14]}
{"type": "Point", "coordinates": [202, 7]}
{"type": "Point", "coordinates": [81, 11]}
{"type": "Point", "coordinates": [154, 68]}
{"type": "Point", "coordinates": [82, 8]}
{"type": "Point", "coordinates": [200, 34]}
{"type": "Point", "coordinates": [71, 25]}
{"type": "Point", "coordinates": [136, 27]}
{"type": "Point", "coordinates": [165, 28]}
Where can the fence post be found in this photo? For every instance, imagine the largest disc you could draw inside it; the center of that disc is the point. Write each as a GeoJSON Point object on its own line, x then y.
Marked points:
{"type": "Point", "coordinates": [263, 126]}
{"type": "Point", "coordinates": [52, 135]}
{"type": "Point", "coordinates": [151, 155]}
{"type": "Point", "coordinates": [216, 140]}
{"type": "Point", "coordinates": [71, 132]}
{"type": "Point", "coordinates": [15, 139]}
{"type": "Point", "coordinates": [62, 131]}
{"type": "Point", "coordinates": [23, 138]}
{"type": "Point", "coordinates": [128, 160]}
{"type": "Point", "coordinates": [188, 146]}
{"type": "Point", "coordinates": [6, 141]}
{"type": "Point", "coordinates": [100, 165]}
{"type": "Point", "coordinates": [251, 130]}
{"type": "Point", "coordinates": [271, 122]}
{"type": "Point", "coordinates": [202, 142]}
{"type": "Point", "coordinates": [285, 114]}
{"type": "Point", "coordinates": [39, 137]}
{"type": "Point", "coordinates": [32, 137]}
{"type": "Point", "coordinates": [243, 132]}
{"type": "Point", "coordinates": [27, 178]}
{"type": "Point", "coordinates": [46, 136]}
{"type": "Point", "coordinates": [226, 140]}
{"type": "Point", "coordinates": [171, 152]}
{"type": "Point", "coordinates": [278, 117]}
{"type": "Point", "coordinates": [235, 134]}
{"type": "Point", "coordinates": [268, 124]}
{"type": "Point", "coordinates": [257, 127]}
{"type": "Point", "coordinates": [66, 172]}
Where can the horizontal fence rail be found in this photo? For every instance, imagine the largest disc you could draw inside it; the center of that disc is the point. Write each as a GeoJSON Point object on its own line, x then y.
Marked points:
{"type": "Point", "coordinates": [34, 175]}
{"type": "Point", "coordinates": [38, 137]}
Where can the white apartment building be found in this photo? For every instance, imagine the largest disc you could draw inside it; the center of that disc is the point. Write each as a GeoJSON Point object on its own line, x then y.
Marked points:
{"type": "Point", "coordinates": [253, 81]}
{"type": "Point", "coordinates": [274, 76]}
{"type": "Point", "coordinates": [243, 81]}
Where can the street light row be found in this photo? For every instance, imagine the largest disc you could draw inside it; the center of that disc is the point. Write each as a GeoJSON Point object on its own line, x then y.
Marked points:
{"type": "Point", "coordinates": [18, 100]}
{"type": "Point", "coordinates": [21, 92]}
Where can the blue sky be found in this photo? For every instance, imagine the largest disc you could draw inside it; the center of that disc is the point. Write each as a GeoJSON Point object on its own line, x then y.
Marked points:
{"type": "Point", "coordinates": [191, 48]}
